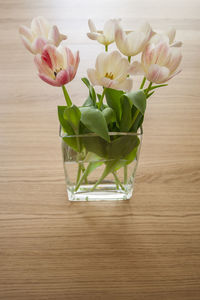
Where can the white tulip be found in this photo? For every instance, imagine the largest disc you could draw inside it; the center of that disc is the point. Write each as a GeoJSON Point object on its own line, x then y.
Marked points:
{"type": "Point", "coordinates": [111, 71]}
{"type": "Point", "coordinates": [132, 43]}
{"type": "Point", "coordinates": [105, 36]}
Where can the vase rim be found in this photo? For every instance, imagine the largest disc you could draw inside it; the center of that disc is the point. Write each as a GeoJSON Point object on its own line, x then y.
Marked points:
{"type": "Point", "coordinates": [63, 134]}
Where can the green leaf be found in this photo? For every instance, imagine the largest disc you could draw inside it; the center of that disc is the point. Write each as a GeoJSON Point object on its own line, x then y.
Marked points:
{"type": "Point", "coordinates": [91, 89]}
{"type": "Point", "coordinates": [122, 146]}
{"type": "Point", "coordinates": [95, 145]}
{"type": "Point", "coordinates": [99, 96]}
{"type": "Point", "coordinates": [126, 119]}
{"type": "Point", "coordinates": [72, 115]}
{"type": "Point", "coordinates": [138, 99]}
{"type": "Point", "coordinates": [113, 165]}
{"type": "Point", "coordinates": [113, 100]}
{"type": "Point", "coordinates": [65, 125]}
{"type": "Point", "coordinates": [109, 115]}
{"type": "Point", "coordinates": [91, 167]}
{"type": "Point", "coordinates": [83, 129]}
{"type": "Point", "coordinates": [127, 159]}
{"type": "Point", "coordinates": [72, 142]}
{"type": "Point", "coordinates": [138, 122]}
{"type": "Point", "coordinates": [89, 102]}
{"type": "Point", "coordinates": [94, 120]}
{"type": "Point", "coordinates": [86, 81]}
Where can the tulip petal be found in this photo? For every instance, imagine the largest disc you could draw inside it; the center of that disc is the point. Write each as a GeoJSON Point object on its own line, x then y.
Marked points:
{"type": "Point", "coordinates": [177, 72]}
{"type": "Point", "coordinates": [63, 77]}
{"type": "Point", "coordinates": [114, 63]}
{"type": "Point", "coordinates": [146, 29]}
{"type": "Point", "coordinates": [77, 60]}
{"type": "Point", "coordinates": [171, 34]}
{"type": "Point", "coordinates": [92, 76]}
{"type": "Point", "coordinates": [121, 73]}
{"type": "Point", "coordinates": [120, 40]}
{"type": "Point", "coordinates": [55, 36]}
{"type": "Point", "coordinates": [101, 64]}
{"type": "Point", "coordinates": [92, 36]}
{"type": "Point", "coordinates": [177, 44]}
{"type": "Point", "coordinates": [126, 85]}
{"type": "Point", "coordinates": [27, 44]}
{"type": "Point", "coordinates": [102, 39]}
{"type": "Point", "coordinates": [135, 43]}
{"type": "Point", "coordinates": [91, 26]}
{"type": "Point", "coordinates": [148, 55]}
{"type": "Point", "coordinates": [157, 38]}
{"type": "Point", "coordinates": [162, 53]}
{"type": "Point", "coordinates": [158, 74]}
{"type": "Point", "coordinates": [175, 59]}
{"type": "Point", "coordinates": [70, 57]}
{"type": "Point", "coordinates": [108, 83]}
{"type": "Point", "coordinates": [132, 43]}
{"type": "Point", "coordinates": [53, 57]}
{"type": "Point", "coordinates": [42, 66]}
{"type": "Point", "coordinates": [48, 80]}
{"type": "Point", "coordinates": [136, 69]}
{"type": "Point", "coordinates": [47, 58]}
{"type": "Point", "coordinates": [38, 45]}
{"type": "Point", "coordinates": [26, 32]}
{"type": "Point", "coordinates": [109, 30]}
{"type": "Point", "coordinates": [40, 26]}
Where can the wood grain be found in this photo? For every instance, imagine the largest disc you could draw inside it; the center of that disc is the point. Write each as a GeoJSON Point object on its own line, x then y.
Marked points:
{"type": "Point", "coordinates": [147, 248]}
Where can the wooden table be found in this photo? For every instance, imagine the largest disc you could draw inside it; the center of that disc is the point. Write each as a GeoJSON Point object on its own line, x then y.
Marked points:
{"type": "Point", "coordinates": [147, 248]}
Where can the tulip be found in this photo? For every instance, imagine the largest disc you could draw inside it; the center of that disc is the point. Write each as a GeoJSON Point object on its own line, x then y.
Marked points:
{"type": "Point", "coordinates": [167, 36]}
{"type": "Point", "coordinates": [105, 37]}
{"type": "Point", "coordinates": [159, 62]}
{"type": "Point", "coordinates": [57, 66]}
{"type": "Point", "coordinates": [40, 34]}
{"type": "Point", "coordinates": [132, 43]}
{"type": "Point", "coordinates": [111, 71]}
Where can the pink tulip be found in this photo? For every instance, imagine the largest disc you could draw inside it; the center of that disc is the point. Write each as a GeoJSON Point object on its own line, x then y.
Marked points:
{"type": "Point", "coordinates": [40, 34]}
{"type": "Point", "coordinates": [166, 36]}
{"type": "Point", "coordinates": [159, 62]}
{"type": "Point", "coordinates": [57, 66]}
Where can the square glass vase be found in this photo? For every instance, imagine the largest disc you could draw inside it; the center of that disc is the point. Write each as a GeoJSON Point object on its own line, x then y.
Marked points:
{"type": "Point", "coordinates": [98, 170]}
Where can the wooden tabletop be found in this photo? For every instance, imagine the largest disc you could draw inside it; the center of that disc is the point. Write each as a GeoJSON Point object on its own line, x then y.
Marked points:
{"type": "Point", "coordinates": [147, 248]}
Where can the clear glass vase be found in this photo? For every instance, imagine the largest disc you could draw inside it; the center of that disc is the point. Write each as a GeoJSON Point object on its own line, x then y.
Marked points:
{"type": "Point", "coordinates": [99, 170]}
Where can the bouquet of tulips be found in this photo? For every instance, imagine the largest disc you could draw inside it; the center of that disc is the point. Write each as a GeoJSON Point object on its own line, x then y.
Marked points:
{"type": "Point", "coordinates": [116, 108]}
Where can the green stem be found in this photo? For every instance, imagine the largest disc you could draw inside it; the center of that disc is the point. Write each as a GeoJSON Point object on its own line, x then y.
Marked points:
{"type": "Point", "coordinates": [84, 176]}
{"type": "Point", "coordinates": [101, 99]}
{"type": "Point", "coordinates": [83, 170]}
{"type": "Point", "coordinates": [148, 88]}
{"type": "Point", "coordinates": [106, 48]}
{"type": "Point", "coordinates": [129, 58]}
{"type": "Point", "coordinates": [104, 174]}
{"type": "Point", "coordinates": [125, 174]}
{"type": "Point", "coordinates": [143, 82]}
{"type": "Point", "coordinates": [79, 173]}
{"type": "Point", "coordinates": [135, 117]}
{"type": "Point", "coordinates": [156, 86]}
{"type": "Point", "coordinates": [118, 181]}
{"type": "Point", "coordinates": [67, 98]}
{"type": "Point", "coordinates": [149, 95]}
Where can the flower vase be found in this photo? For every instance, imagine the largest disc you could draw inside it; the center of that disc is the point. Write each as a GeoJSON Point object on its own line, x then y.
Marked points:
{"type": "Point", "coordinates": [99, 170]}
